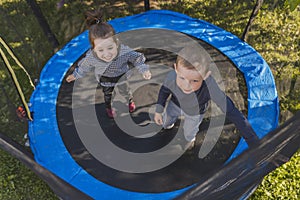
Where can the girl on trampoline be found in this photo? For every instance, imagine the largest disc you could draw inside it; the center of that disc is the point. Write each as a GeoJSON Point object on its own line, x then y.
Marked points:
{"type": "Point", "coordinates": [191, 87]}
{"type": "Point", "coordinates": [109, 59]}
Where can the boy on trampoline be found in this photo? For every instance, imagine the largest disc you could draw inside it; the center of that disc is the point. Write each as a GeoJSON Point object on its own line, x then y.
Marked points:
{"type": "Point", "coordinates": [191, 87]}
{"type": "Point", "coordinates": [109, 59]}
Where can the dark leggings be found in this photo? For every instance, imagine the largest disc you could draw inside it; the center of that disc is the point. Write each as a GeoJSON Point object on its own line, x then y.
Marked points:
{"type": "Point", "coordinates": [108, 91]}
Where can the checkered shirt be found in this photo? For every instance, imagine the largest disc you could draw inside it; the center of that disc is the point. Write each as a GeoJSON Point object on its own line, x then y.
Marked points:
{"type": "Point", "coordinates": [114, 68]}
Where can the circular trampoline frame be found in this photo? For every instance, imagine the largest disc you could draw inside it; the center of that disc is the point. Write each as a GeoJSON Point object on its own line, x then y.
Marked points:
{"type": "Point", "coordinates": [46, 142]}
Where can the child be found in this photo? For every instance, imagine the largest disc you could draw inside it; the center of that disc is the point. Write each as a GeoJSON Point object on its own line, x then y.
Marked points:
{"type": "Point", "coordinates": [109, 59]}
{"type": "Point", "coordinates": [191, 87]}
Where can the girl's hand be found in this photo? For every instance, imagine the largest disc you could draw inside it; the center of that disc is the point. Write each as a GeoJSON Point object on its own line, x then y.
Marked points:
{"type": "Point", "coordinates": [70, 78]}
{"type": "Point", "coordinates": [147, 75]}
{"type": "Point", "coordinates": [158, 118]}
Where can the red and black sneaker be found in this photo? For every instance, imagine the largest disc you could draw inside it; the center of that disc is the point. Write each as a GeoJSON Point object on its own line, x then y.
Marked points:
{"type": "Point", "coordinates": [111, 113]}
{"type": "Point", "coordinates": [131, 107]}
{"type": "Point", "coordinates": [21, 113]}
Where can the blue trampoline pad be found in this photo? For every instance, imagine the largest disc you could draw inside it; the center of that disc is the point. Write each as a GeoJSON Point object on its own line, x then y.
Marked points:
{"type": "Point", "coordinates": [53, 134]}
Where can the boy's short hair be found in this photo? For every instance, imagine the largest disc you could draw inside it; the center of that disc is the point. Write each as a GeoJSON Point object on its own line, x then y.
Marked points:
{"type": "Point", "coordinates": [194, 57]}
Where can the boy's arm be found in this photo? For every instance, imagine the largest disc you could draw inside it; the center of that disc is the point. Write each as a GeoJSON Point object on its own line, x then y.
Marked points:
{"type": "Point", "coordinates": [232, 113]}
{"type": "Point", "coordinates": [241, 122]}
{"type": "Point", "coordinates": [163, 95]}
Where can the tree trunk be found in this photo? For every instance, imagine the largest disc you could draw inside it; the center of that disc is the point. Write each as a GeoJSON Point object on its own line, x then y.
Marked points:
{"type": "Point", "coordinates": [43, 23]}
{"type": "Point", "coordinates": [292, 86]}
{"type": "Point", "coordinates": [147, 5]}
{"type": "Point", "coordinates": [251, 19]}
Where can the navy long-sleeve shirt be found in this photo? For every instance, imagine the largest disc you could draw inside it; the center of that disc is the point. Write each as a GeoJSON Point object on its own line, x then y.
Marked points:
{"type": "Point", "coordinates": [196, 103]}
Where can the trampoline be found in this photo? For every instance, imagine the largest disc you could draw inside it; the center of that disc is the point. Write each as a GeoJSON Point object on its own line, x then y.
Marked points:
{"type": "Point", "coordinates": [60, 146]}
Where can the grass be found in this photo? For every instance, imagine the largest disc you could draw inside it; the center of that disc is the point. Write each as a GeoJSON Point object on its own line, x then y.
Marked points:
{"type": "Point", "coordinates": [275, 35]}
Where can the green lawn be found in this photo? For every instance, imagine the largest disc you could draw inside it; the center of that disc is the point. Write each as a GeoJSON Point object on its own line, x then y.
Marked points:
{"type": "Point", "coordinates": [275, 35]}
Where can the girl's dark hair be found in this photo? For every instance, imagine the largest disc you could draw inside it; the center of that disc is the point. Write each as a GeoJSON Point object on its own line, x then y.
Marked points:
{"type": "Point", "coordinates": [97, 27]}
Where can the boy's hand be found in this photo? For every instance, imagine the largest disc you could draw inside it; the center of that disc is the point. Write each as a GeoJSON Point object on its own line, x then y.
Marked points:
{"type": "Point", "coordinates": [147, 75]}
{"type": "Point", "coordinates": [158, 119]}
{"type": "Point", "coordinates": [207, 75]}
{"type": "Point", "coordinates": [70, 78]}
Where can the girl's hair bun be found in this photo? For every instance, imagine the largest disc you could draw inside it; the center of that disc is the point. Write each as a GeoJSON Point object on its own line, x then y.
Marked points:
{"type": "Point", "coordinates": [93, 17]}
